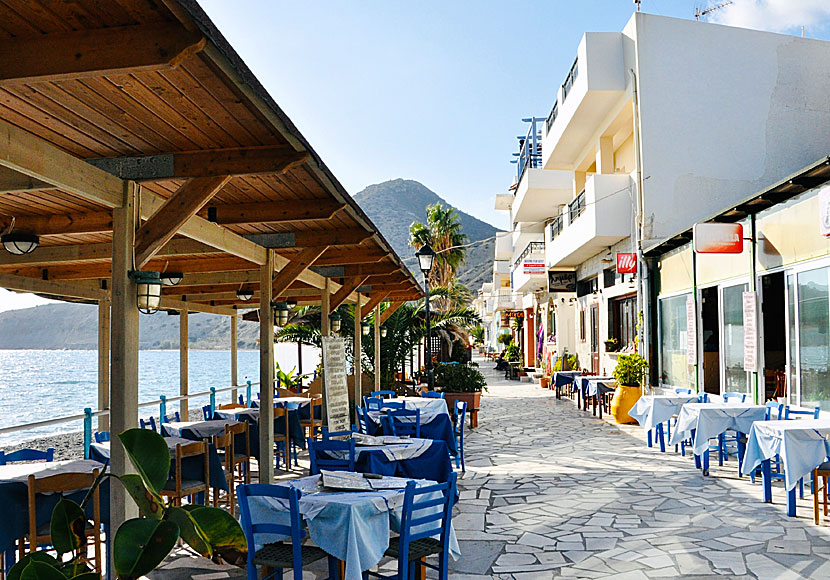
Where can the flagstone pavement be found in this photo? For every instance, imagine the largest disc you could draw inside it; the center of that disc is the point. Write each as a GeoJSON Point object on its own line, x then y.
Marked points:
{"type": "Point", "coordinates": [551, 491]}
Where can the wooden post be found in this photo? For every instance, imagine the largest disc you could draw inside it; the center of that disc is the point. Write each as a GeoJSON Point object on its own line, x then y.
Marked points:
{"type": "Point", "coordinates": [104, 362]}
{"type": "Point", "coordinates": [123, 352]}
{"type": "Point", "coordinates": [234, 347]}
{"type": "Point", "coordinates": [325, 327]}
{"type": "Point", "coordinates": [377, 347]}
{"type": "Point", "coordinates": [184, 340]}
{"type": "Point", "coordinates": [358, 349]}
{"type": "Point", "coordinates": [266, 372]}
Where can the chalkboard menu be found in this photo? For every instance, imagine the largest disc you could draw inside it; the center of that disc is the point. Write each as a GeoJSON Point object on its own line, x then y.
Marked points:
{"type": "Point", "coordinates": [336, 388]}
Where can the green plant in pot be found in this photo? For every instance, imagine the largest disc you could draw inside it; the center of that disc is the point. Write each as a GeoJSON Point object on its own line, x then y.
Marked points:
{"type": "Point", "coordinates": [630, 370]}
{"type": "Point", "coordinates": [461, 382]}
{"type": "Point", "coordinates": [513, 353]}
{"type": "Point", "coordinates": [504, 339]}
{"type": "Point", "coordinates": [612, 345]}
{"type": "Point", "coordinates": [139, 544]}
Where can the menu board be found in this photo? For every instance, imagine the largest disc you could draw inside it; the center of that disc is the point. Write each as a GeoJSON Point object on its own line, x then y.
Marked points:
{"type": "Point", "coordinates": [335, 385]}
{"type": "Point", "coordinates": [691, 331]}
{"type": "Point", "coordinates": [750, 332]}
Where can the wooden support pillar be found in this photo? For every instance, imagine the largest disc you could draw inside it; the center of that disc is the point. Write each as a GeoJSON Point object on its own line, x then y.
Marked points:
{"type": "Point", "coordinates": [325, 327]}
{"type": "Point", "coordinates": [377, 347]}
{"type": "Point", "coordinates": [234, 358]}
{"type": "Point", "coordinates": [184, 350]}
{"type": "Point", "coordinates": [266, 372]}
{"type": "Point", "coordinates": [123, 352]}
{"type": "Point", "coordinates": [103, 362]}
{"type": "Point", "coordinates": [358, 349]}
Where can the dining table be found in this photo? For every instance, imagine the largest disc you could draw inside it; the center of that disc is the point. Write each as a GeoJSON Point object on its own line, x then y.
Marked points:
{"type": "Point", "coordinates": [652, 411]}
{"type": "Point", "coordinates": [704, 421]}
{"type": "Point", "coordinates": [563, 378]}
{"type": "Point", "coordinates": [436, 422]}
{"type": "Point", "coordinates": [801, 445]}
{"type": "Point", "coordinates": [251, 416]}
{"type": "Point", "coordinates": [352, 526]}
{"type": "Point", "coordinates": [583, 383]}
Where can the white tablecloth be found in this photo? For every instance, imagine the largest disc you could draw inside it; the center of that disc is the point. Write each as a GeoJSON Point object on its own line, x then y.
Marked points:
{"type": "Point", "coordinates": [652, 410]}
{"type": "Point", "coordinates": [429, 407]}
{"type": "Point", "coordinates": [802, 445]}
{"type": "Point", "coordinates": [21, 471]}
{"type": "Point", "coordinates": [201, 429]}
{"type": "Point", "coordinates": [710, 420]}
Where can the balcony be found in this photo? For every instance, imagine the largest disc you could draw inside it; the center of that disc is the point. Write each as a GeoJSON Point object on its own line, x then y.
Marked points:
{"type": "Point", "coordinates": [529, 270]}
{"type": "Point", "coordinates": [504, 246]}
{"type": "Point", "coordinates": [504, 201]}
{"type": "Point", "coordinates": [592, 89]}
{"type": "Point", "coordinates": [539, 194]}
{"type": "Point", "coordinates": [598, 217]}
{"type": "Point", "coordinates": [505, 302]}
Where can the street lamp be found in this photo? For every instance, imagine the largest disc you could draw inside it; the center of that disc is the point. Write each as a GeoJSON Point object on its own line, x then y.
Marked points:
{"type": "Point", "coordinates": [426, 256]}
{"type": "Point", "coordinates": [383, 332]}
{"type": "Point", "coordinates": [365, 328]}
{"type": "Point", "coordinates": [334, 321]}
{"type": "Point", "coordinates": [281, 314]}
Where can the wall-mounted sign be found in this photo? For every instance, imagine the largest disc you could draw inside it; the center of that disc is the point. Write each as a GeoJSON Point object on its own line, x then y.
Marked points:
{"type": "Point", "coordinates": [750, 303]}
{"type": "Point", "coordinates": [533, 266]}
{"type": "Point", "coordinates": [335, 385]}
{"type": "Point", "coordinates": [514, 314]}
{"type": "Point", "coordinates": [626, 263]}
{"type": "Point", "coordinates": [691, 331]}
{"type": "Point", "coordinates": [718, 238]}
{"type": "Point", "coordinates": [561, 281]}
{"type": "Point", "coordinates": [824, 211]}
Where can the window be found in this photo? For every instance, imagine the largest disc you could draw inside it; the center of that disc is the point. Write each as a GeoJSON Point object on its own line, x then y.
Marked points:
{"type": "Point", "coordinates": [674, 369]}
{"type": "Point", "coordinates": [585, 287]}
{"type": "Point", "coordinates": [736, 379]}
{"type": "Point", "coordinates": [814, 338]}
{"type": "Point", "coordinates": [624, 320]}
{"type": "Point", "coordinates": [582, 325]}
{"type": "Point", "coordinates": [609, 277]}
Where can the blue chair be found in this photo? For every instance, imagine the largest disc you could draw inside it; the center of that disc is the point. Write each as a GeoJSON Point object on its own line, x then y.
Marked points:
{"type": "Point", "coordinates": [206, 413]}
{"type": "Point", "coordinates": [396, 422]}
{"type": "Point", "coordinates": [362, 420]}
{"type": "Point", "coordinates": [774, 410]}
{"type": "Point", "coordinates": [679, 391]}
{"type": "Point", "coordinates": [241, 401]}
{"type": "Point", "coordinates": [432, 395]}
{"type": "Point", "coordinates": [27, 455]}
{"type": "Point", "coordinates": [372, 403]}
{"type": "Point", "coordinates": [320, 460]}
{"type": "Point", "coordinates": [329, 434]}
{"type": "Point", "coordinates": [279, 555]}
{"type": "Point", "coordinates": [101, 436]}
{"type": "Point", "coordinates": [149, 423]}
{"type": "Point", "coordinates": [171, 417]}
{"type": "Point", "coordinates": [384, 394]}
{"type": "Point", "coordinates": [801, 411]}
{"type": "Point", "coordinates": [392, 405]}
{"type": "Point", "coordinates": [430, 517]}
{"type": "Point", "coordinates": [728, 444]}
{"type": "Point", "coordinates": [734, 395]}
{"type": "Point", "coordinates": [458, 428]}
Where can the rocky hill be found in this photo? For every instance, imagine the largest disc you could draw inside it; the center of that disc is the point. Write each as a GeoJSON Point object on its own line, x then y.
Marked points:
{"type": "Point", "coordinates": [394, 205]}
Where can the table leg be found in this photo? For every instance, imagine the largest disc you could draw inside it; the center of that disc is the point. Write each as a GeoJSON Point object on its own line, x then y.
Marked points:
{"type": "Point", "coordinates": [601, 404]}
{"type": "Point", "coordinates": [648, 438]}
{"type": "Point", "coordinates": [741, 450]}
{"type": "Point", "coordinates": [706, 462]}
{"type": "Point", "coordinates": [766, 480]}
{"type": "Point", "coordinates": [661, 437]}
{"type": "Point", "coordinates": [594, 401]}
{"type": "Point", "coordinates": [791, 503]}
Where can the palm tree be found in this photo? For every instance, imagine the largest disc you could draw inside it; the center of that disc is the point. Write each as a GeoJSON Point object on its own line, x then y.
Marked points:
{"type": "Point", "coordinates": [443, 233]}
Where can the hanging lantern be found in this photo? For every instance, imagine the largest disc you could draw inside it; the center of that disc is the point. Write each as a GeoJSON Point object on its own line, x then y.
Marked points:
{"type": "Point", "coordinates": [171, 278]}
{"type": "Point", "coordinates": [383, 332]}
{"type": "Point", "coordinates": [244, 294]}
{"type": "Point", "coordinates": [148, 291]}
{"type": "Point", "coordinates": [292, 304]}
{"type": "Point", "coordinates": [20, 243]}
{"type": "Point", "coordinates": [365, 328]}
{"type": "Point", "coordinates": [334, 321]}
{"type": "Point", "coordinates": [280, 313]}
{"type": "Point", "coordinates": [425, 255]}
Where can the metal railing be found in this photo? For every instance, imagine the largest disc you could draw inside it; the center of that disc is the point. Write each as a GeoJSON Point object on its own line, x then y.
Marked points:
{"type": "Point", "coordinates": [530, 148]}
{"type": "Point", "coordinates": [552, 117]}
{"type": "Point", "coordinates": [556, 227]}
{"type": "Point", "coordinates": [532, 247]}
{"type": "Point", "coordinates": [576, 207]}
{"type": "Point", "coordinates": [570, 79]}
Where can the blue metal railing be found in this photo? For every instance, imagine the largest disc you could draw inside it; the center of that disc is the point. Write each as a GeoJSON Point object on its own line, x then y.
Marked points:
{"type": "Point", "coordinates": [530, 147]}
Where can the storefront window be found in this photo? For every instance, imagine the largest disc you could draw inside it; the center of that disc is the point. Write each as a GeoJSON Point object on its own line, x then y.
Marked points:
{"type": "Point", "coordinates": [674, 368]}
{"type": "Point", "coordinates": [791, 331]}
{"type": "Point", "coordinates": [736, 378]}
{"type": "Point", "coordinates": [814, 338]}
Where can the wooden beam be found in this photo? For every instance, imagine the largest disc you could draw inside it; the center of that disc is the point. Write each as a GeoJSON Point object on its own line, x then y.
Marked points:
{"type": "Point", "coordinates": [52, 255]}
{"type": "Point", "coordinates": [349, 286]}
{"type": "Point", "coordinates": [13, 182]}
{"type": "Point", "coordinates": [104, 363]}
{"type": "Point", "coordinates": [375, 298]}
{"type": "Point", "coordinates": [91, 53]}
{"type": "Point", "coordinates": [62, 289]}
{"type": "Point", "coordinates": [184, 351]}
{"type": "Point", "coordinates": [377, 346]}
{"type": "Point", "coordinates": [174, 304]}
{"type": "Point", "coordinates": [91, 271]}
{"type": "Point", "coordinates": [225, 293]}
{"type": "Point", "coordinates": [393, 307]}
{"type": "Point", "coordinates": [203, 163]}
{"type": "Point", "coordinates": [266, 372]}
{"type": "Point", "coordinates": [290, 272]}
{"type": "Point", "coordinates": [271, 212]}
{"type": "Point", "coordinates": [391, 278]}
{"type": "Point", "coordinates": [378, 268]}
{"type": "Point", "coordinates": [342, 255]}
{"type": "Point", "coordinates": [311, 238]}
{"type": "Point", "coordinates": [60, 224]}
{"type": "Point", "coordinates": [173, 214]}
{"type": "Point", "coordinates": [390, 287]}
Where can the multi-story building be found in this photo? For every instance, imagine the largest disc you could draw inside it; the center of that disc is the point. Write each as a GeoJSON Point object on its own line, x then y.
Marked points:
{"type": "Point", "coordinates": [654, 128]}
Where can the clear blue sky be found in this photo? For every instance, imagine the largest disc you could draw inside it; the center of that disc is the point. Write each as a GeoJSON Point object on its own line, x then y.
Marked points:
{"type": "Point", "coordinates": [435, 90]}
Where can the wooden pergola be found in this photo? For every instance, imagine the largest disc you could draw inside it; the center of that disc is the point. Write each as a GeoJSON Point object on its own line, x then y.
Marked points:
{"type": "Point", "coordinates": [133, 137]}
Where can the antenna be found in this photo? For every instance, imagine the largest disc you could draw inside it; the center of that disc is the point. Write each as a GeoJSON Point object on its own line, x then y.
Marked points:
{"type": "Point", "coordinates": [638, 2]}
{"type": "Point", "coordinates": [699, 12]}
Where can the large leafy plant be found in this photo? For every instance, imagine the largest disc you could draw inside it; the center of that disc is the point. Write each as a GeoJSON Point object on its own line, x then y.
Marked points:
{"type": "Point", "coordinates": [631, 369]}
{"type": "Point", "coordinates": [512, 353]}
{"type": "Point", "coordinates": [460, 378]}
{"type": "Point", "coordinates": [287, 380]}
{"type": "Point", "coordinates": [140, 544]}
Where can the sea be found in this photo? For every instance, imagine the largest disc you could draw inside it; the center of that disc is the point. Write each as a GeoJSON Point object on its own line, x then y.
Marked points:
{"type": "Point", "coordinates": [36, 385]}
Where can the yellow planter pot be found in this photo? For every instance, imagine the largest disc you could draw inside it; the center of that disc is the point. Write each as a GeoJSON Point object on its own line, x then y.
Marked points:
{"type": "Point", "coordinates": [624, 400]}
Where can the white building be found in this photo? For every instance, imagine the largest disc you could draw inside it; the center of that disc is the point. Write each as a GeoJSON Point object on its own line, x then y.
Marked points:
{"type": "Point", "coordinates": [675, 118]}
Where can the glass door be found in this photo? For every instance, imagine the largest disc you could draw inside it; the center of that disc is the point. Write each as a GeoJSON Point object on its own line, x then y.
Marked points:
{"type": "Point", "coordinates": [734, 379]}
{"type": "Point", "coordinates": [792, 342]}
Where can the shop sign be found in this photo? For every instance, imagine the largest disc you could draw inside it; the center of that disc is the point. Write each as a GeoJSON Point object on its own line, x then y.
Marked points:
{"type": "Point", "coordinates": [718, 238]}
{"type": "Point", "coordinates": [626, 263]}
{"type": "Point", "coordinates": [750, 332]}
{"type": "Point", "coordinates": [335, 384]}
{"type": "Point", "coordinates": [691, 331]}
{"type": "Point", "coordinates": [514, 314]}
{"type": "Point", "coordinates": [561, 281]}
{"type": "Point", "coordinates": [534, 266]}
{"type": "Point", "coordinates": [824, 211]}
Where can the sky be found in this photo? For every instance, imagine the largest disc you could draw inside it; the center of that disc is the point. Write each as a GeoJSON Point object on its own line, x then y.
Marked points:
{"type": "Point", "coordinates": [433, 90]}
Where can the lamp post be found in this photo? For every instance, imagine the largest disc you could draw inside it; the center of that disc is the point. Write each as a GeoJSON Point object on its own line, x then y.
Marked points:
{"type": "Point", "coordinates": [426, 256]}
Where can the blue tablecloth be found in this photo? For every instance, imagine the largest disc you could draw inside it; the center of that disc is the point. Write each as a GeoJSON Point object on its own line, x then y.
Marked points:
{"type": "Point", "coordinates": [802, 445]}
{"type": "Point", "coordinates": [583, 383]}
{"type": "Point", "coordinates": [562, 378]}
{"type": "Point", "coordinates": [351, 526]}
{"type": "Point", "coordinates": [14, 496]}
{"type": "Point", "coordinates": [439, 429]}
{"type": "Point", "coordinates": [192, 467]}
{"type": "Point", "coordinates": [433, 462]}
{"type": "Point", "coordinates": [651, 410]}
{"type": "Point", "coordinates": [251, 416]}
{"type": "Point", "coordinates": [601, 386]}
{"type": "Point", "coordinates": [709, 420]}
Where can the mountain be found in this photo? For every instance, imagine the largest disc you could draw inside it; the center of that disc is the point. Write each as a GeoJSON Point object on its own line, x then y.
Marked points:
{"type": "Point", "coordinates": [75, 326]}
{"type": "Point", "coordinates": [394, 205]}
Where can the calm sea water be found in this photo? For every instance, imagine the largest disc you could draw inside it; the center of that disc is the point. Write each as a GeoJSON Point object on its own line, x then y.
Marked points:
{"type": "Point", "coordinates": [43, 384]}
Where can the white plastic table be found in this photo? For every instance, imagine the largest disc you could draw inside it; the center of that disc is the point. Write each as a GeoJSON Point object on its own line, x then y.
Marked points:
{"type": "Point", "coordinates": [651, 411]}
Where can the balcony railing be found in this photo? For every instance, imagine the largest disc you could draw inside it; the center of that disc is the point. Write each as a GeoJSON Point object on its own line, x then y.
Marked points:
{"type": "Point", "coordinates": [552, 117]}
{"type": "Point", "coordinates": [556, 227]}
{"type": "Point", "coordinates": [576, 207]}
{"type": "Point", "coordinates": [532, 247]}
{"type": "Point", "coordinates": [530, 148]}
{"type": "Point", "coordinates": [566, 88]}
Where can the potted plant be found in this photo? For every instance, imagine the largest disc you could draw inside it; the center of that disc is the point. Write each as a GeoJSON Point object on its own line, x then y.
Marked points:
{"type": "Point", "coordinates": [630, 372]}
{"type": "Point", "coordinates": [461, 382]}
{"type": "Point", "coordinates": [512, 353]}
{"type": "Point", "coordinates": [612, 345]}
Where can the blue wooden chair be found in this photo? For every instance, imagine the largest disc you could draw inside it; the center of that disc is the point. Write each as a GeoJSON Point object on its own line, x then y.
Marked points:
{"type": "Point", "coordinates": [321, 460]}
{"type": "Point", "coordinates": [774, 410]}
{"type": "Point", "coordinates": [206, 413]}
{"type": "Point", "coordinates": [372, 403]}
{"type": "Point", "coordinates": [171, 417]}
{"type": "Point", "coordinates": [101, 436]}
{"type": "Point", "coordinates": [149, 423]}
{"type": "Point", "coordinates": [422, 519]}
{"type": "Point", "coordinates": [432, 395]}
{"type": "Point", "coordinates": [397, 422]}
{"type": "Point", "coordinates": [329, 434]}
{"type": "Point", "coordinates": [241, 401]}
{"type": "Point", "coordinates": [27, 455]}
{"type": "Point", "coordinates": [458, 428]}
{"type": "Point", "coordinates": [392, 405]}
{"type": "Point", "coordinates": [678, 391]}
{"type": "Point", "coordinates": [728, 443]}
{"type": "Point", "coordinates": [362, 420]}
{"type": "Point", "coordinates": [279, 555]}
{"type": "Point", "coordinates": [795, 412]}
{"type": "Point", "coordinates": [384, 394]}
{"type": "Point", "coordinates": [733, 395]}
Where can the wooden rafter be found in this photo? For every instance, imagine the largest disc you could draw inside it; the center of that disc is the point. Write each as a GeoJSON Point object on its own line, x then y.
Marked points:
{"type": "Point", "coordinates": [271, 212]}
{"type": "Point", "coordinates": [88, 291]}
{"type": "Point", "coordinates": [103, 270]}
{"type": "Point", "coordinates": [14, 182]}
{"type": "Point", "coordinates": [343, 255]}
{"type": "Point", "coordinates": [375, 298]}
{"type": "Point", "coordinates": [349, 286]}
{"type": "Point", "coordinates": [173, 214]}
{"type": "Point", "coordinates": [312, 238]}
{"type": "Point", "coordinates": [291, 271]}
{"type": "Point", "coordinates": [76, 254]}
{"type": "Point", "coordinates": [229, 290]}
{"type": "Point", "coordinates": [393, 307]}
{"type": "Point", "coordinates": [370, 269]}
{"type": "Point", "coordinates": [90, 53]}
{"type": "Point", "coordinates": [60, 224]}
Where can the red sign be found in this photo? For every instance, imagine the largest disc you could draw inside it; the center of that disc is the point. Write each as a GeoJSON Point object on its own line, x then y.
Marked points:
{"type": "Point", "coordinates": [718, 238]}
{"type": "Point", "coordinates": [626, 263]}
